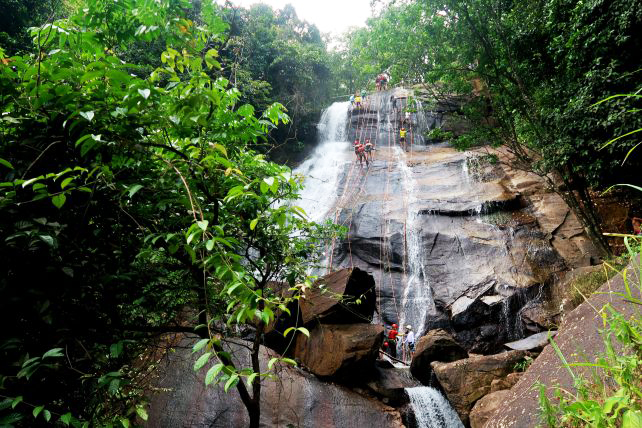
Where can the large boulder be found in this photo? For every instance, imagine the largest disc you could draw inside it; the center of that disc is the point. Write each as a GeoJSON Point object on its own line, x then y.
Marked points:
{"type": "Point", "coordinates": [579, 331]}
{"type": "Point", "coordinates": [180, 397]}
{"type": "Point", "coordinates": [466, 381]}
{"type": "Point", "coordinates": [343, 297]}
{"type": "Point", "coordinates": [346, 296]}
{"type": "Point", "coordinates": [486, 407]}
{"type": "Point", "coordinates": [390, 382]}
{"type": "Point", "coordinates": [437, 345]}
{"type": "Point", "coordinates": [537, 316]}
{"type": "Point", "coordinates": [505, 383]}
{"type": "Point", "coordinates": [535, 342]}
{"type": "Point", "coordinates": [339, 350]}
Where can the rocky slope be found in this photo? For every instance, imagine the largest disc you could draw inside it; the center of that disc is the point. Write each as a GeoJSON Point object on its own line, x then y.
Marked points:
{"type": "Point", "coordinates": [579, 331]}
{"type": "Point", "coordinates": [453, 241]}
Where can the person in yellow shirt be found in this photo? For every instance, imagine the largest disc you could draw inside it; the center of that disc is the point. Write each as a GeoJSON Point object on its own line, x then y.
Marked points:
{"type": "Point", "coordinates": [357, 100]}
{"type": "Point", "coordinates": [402, 137]}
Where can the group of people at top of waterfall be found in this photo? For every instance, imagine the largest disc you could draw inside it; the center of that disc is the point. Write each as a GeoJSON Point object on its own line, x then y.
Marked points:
{"type": "Point", "coordinates": [382, 81]}
{"type": "Point", "coordinates": [357, 99]}
{"type": "Point", "coordinates": [364, 151]}
{"type": "Point", "coordinates": [407, 340]}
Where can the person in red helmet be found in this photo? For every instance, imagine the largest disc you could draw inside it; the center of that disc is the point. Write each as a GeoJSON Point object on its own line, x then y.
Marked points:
{"type": "Point", "coordinates": [392, 340]}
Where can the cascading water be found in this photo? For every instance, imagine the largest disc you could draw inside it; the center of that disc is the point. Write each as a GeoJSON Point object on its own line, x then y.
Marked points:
{"type": "Point", "coordinates": [417, 298]}
{"type": "Point", "coordinates": [322, 168]}
{"type": "Point", "coordinates": [431, 409]}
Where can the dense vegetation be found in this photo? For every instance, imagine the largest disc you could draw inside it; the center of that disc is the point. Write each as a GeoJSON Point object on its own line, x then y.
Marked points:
{"type": "Point", "coordinates": [137, 191]}
{"type": "Point", "coordinates": [538, 68]}
{"type": "Point", "coordinates": [133, 201]}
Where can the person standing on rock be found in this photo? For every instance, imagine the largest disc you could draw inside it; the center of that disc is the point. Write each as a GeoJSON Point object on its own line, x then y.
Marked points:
{"type": "Point", "coordinates": [357, 100]}
{"type": "Point", "coordinates": [392, 340]}
{"type": "Point", "coordinates": [352, 100]}
{"type": "Point", "coordinates": [384, 82]}
{"type": "Point", "coordinates": [409, 340]}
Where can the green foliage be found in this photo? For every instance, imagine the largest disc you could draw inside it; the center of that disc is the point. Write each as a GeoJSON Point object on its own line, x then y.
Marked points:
{"type": "Point", "coordinates": [523, 365]}
{"type": "Point", "coordinates": [273, 55]}
{"type": "Point", "coordinates": [129, 192]}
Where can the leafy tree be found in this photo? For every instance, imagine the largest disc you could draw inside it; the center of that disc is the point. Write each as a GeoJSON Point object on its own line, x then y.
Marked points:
{"type": "Point", "coordinates": [126, 195]}
{"type": "Point", "coordinates": [273, 55]}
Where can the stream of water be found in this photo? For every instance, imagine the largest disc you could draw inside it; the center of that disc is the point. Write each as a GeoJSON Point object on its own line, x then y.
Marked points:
{"type": "Point", "coordinates": [431, 409]}
{"type": "Point", "coordinates": [323, 167]}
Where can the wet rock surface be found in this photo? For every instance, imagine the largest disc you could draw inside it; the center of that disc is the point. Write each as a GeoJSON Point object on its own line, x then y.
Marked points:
{"type": "Point", "coordinates": [436, 345]}
{"type": "Point", "coordinates": [466, 381]}
{"type": "Point", "coordinates": [296, 399]}
{"type": "Point", "coordinates": [340, 350]}
{"type": "Point", "coordinates": [452, 241]}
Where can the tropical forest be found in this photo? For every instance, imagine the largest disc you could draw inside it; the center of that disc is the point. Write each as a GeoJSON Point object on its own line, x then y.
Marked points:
{"type": "Point", "coordinates": [365, 213]}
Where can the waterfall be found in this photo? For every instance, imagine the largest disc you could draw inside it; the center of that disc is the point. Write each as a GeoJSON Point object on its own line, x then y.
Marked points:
{"type": "Point", "coordinates": [431, 409]}
{"type": "Point", "coordinates": [417, 298]}
{"type": "Point", "coordinates": [323, 167]}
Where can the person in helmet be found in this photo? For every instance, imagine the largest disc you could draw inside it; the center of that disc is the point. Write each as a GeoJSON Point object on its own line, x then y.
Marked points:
{"type": "Point", "coordinates": [392, 340]}
{"type": "Point", "coordinates": [410, 340]}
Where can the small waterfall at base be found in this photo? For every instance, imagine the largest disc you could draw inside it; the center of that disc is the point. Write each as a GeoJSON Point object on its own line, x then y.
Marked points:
{"type": "Point", "coordinates": [431, 409]}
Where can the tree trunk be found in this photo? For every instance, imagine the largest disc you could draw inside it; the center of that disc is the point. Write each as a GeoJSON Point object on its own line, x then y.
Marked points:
{"type": "Point", "coordinates": [585, 213]}
{"type": "Point", "coordinates": [254, 410]}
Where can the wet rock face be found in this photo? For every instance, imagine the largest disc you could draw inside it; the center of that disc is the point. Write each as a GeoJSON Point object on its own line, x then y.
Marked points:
{"type": "Point", "coordinates": [452, 243]}
{"type": "Point", "coordinates": [296, 398]}
{"type": "Point", "coordinates": [436, 345]}
{"type": "Point", "coordinates": [340, 350]}
{"type": "Point", "coordinates": [466, 381]}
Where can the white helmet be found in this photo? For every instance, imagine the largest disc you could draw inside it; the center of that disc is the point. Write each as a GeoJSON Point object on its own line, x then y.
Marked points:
{"type": "Point", "coordinates": [409, 327]}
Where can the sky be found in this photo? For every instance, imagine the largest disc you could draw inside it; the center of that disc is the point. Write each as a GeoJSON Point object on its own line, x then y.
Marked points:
{"type": "Point", "coordinates": [330, 16]}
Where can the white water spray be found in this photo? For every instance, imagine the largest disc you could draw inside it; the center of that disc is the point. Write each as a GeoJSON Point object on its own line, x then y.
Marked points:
{"type": "Point", "coordinates": [417, 297]}
{"type": "Point", "coordinates": [431, 409]}
{"type": "Point", "coordinates": [323, 167]}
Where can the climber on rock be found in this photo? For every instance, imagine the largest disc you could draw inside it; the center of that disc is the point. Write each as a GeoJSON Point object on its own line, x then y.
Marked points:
{"type": "Point", "coordinates": [361, 154]}
{"type": "Point", "coordinates": [409, 340]}
{"type": "Point", "coordinates": [357, 100]}
{"type": "Point", "coordinates": [369, 150]}
{"type": "Point", "coordinates": [352, 100]}
{"type": "Point", "coordinates": [402, 138]}
{"type": "Point", "coordinates": [356, 148]}
{"type": "Point", "coordinates": [392, 340]}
